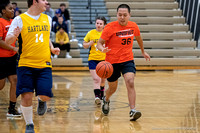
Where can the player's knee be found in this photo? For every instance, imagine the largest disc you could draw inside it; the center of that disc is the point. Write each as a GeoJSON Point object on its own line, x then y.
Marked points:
{"type": "Point", "coordinates": [97, 80]}
{"type": "Point", "coordinates": [44, 98]}
{"type": "Point", "coordinates": [26, 97]}
{"type": "Point", "coordinates": [13, 81]}
{"type": "Point", "coordinates": [130, 83]}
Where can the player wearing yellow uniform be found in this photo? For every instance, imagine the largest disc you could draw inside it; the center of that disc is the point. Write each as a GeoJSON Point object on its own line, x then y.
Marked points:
{"type": "Point", "coordinates": [35, 32]}
{"type": "Point", "coordinates": [34, 68]}
{"type": "Point", "coordinates": [95, 56]}
{"type": "Point", "coordinates": [94, 53]}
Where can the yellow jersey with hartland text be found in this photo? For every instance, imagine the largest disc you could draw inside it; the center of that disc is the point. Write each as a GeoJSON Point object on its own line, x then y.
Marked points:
{"type": "Point", "coordinates": [94, 53]}
{"type": "Point", "coordinates": [35, 49]}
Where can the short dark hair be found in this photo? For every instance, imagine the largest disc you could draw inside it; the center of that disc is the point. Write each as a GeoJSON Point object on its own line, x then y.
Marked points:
{"type": "Point", "coordinates": [14, 3]}
{"type": "Point", "coordinates": [62, 4]}
{"type": "Point", "coordinates": [3, 5]}
{"type": "Point", "coordinates": [124, 6]}
{"type": "Point", "coordinates": [102, 18]}
{"type": "Point", "coordinates": [30, 3]}
{"type": "Point", "coordinates": [20, 11]}
{"type": "Point", "coordinates": [61, 27]}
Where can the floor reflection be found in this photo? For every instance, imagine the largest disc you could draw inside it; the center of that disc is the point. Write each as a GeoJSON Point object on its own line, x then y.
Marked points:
{"type": "Point", "coordinates": [191, 122]}
{"type": "Point", "coordinates": [169, 102]}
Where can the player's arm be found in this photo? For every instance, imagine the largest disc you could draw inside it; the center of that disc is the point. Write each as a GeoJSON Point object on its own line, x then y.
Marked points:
{"type": "Point", "coordinates": [100, 46]}
{"type": "Point", "coordinates": [87, 44]}
{"type": "Point", "coordinates": [5, 46]}
{"type": "Point", "coordinates": [140, 43]}
{"type": "Point", "coordinates": [14, 30]}
{"type": "Point", "coordinates": [54, 50]}
{"type": "Point", "coordinates": [11, 38]}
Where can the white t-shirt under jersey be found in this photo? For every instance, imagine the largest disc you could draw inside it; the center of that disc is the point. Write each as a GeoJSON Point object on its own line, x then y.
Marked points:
{"type": "Point", "coordinates": [17, 22]}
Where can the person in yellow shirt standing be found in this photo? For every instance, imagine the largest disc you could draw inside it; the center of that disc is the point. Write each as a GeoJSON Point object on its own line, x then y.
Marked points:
{"type": "Point", "coordinates": [95, 56]}
{"type": "Point", "coordinates": [62, 41]}
{"type": "Point", "coordinates": [34, 71]}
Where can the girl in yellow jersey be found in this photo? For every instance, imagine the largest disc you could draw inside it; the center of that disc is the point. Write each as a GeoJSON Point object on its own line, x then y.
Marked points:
{"type": "Point", "coordinates": [34, 67]}
{"type": "Point", "coordinates": [95, 56]}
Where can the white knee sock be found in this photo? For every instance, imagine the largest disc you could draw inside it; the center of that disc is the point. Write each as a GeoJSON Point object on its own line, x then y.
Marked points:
{"type": "Point", "coordinates": [28, 114]}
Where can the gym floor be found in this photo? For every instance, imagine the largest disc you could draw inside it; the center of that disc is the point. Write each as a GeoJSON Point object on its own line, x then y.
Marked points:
{"type": "Point", "coordinates": [169, 102]}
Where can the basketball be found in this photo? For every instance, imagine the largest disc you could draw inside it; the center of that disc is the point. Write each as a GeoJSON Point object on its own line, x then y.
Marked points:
{"type": "Point", "coordinates": [104, 69]}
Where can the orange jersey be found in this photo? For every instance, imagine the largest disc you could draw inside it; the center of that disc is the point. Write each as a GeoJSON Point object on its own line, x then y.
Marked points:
{"type": "Point", "coordinates": [4, 26]}
{"type": "Point", "coordinates": [120, 40]}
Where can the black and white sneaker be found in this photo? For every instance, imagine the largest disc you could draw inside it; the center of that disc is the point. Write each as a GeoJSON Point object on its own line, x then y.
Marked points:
{"type": "Point", "coordinates": [105, 107]}
{"type": "Point", "coordinates": [13, 113]}
{"type": "Point", "coordinates": [134, 115]}
{"type": "Point", "coordinates": [42, 107]}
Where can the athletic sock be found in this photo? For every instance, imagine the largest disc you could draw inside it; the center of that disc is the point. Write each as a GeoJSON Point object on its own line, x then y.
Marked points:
{"type": "Point", "coordinates": [102, 88]}
{"type": "Point", "coordinates": [28, 114]}
{"type": "Point", "coordinates": [12, 105]}
{"type": "Point", "coordinates": [97, 92]}
{"type": "Point", "coordinates": [133, 110]}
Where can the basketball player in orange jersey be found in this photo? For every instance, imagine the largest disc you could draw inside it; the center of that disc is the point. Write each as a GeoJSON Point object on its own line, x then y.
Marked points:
{"type": "Point", "coordinates": [118, 37]}
{"type": "Point", "coordinates": [95, 56]}
{"type": "Point", "coordinates": [8, 56]}
{"type": "Point", "coordinates": [34, 66]}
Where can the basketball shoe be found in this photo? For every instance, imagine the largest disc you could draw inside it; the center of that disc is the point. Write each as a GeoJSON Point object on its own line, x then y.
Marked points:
{"type": "Point", "coordinates": [42, 107]}
{"type": "Point", "coordinates": [105, 106]}
{"type": "Point", "coordinates": [30, 128]}
{"type": "Point", "coordinates": [97, 101]}
{"type": "Point", "coordinates": [12, 112]}
{"type": "Point", "coordinates": [134, 115]}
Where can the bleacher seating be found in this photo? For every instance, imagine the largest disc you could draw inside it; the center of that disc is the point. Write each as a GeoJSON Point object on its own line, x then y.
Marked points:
{"type": "Point", "coordinates": [75, 52]}
{"type": "Point", "coordinates": [163, 28]}
{"type": "Point", "coordinates": [164, 31]}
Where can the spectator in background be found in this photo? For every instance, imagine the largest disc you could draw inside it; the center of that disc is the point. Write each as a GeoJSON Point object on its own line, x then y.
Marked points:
{"type": "Point", "coordinates": [49, 11]}
{"type": "Point", "coordinates": [18, 12]}
{"type": "Point", "coordinates": [52, 37]}
{"type": "Point", "coordinates": [55, 18]}
{"type": "Point", "coordinates": [62, 41]}
{"type": "Point", "coordinates": [65, 13]}
{"type": "Point", "coordinates": [59, 24]}
{"type": "Point", "coordinates": [14, 4]}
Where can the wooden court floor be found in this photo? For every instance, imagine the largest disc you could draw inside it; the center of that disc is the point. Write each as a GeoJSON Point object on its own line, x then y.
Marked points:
{"type": "Point", "coordinates": [169, 102]}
